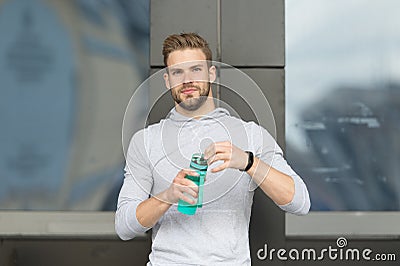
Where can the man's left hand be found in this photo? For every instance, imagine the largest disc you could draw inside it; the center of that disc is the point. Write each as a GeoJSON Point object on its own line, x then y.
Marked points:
{"type": "Point", "coordinates": [232, 156]}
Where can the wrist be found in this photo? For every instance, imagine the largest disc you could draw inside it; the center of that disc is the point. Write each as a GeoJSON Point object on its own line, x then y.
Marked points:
{"type": "Point", "coordinates": [163, 198]}
{"type": "Point", "coordinates": [252, 169]}
{"type": "Point", "coordinates": [250, 161]}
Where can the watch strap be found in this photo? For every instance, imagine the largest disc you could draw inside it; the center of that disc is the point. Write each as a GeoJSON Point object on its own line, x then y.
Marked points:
{"type": "Point", "coordinates": [250, 161]}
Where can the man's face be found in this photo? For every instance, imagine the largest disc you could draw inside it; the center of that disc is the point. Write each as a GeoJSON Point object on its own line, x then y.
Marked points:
{"type": "Point", "coordinates": [189, 78]}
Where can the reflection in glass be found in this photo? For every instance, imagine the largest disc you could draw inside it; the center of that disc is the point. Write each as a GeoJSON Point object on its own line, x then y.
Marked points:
{"type": "Point", "coordinates": [343, 102]}
{"type": "Point", "coordinates": [67, 70]}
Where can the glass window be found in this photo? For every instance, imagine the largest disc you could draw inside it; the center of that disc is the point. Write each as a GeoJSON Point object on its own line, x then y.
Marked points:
{"type": "Point", "coordinates": [67, 71]}
{"type": "Point", "coordinates": [343, 102]}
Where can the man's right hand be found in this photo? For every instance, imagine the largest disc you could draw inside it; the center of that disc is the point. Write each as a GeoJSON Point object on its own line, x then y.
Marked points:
{"type": "Point", "coordinates": [180, 188]}
{"type": "Point", "coordinates": [150, 211]}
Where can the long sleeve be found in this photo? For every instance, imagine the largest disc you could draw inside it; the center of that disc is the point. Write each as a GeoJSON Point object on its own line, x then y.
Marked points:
{"type": "Point", "coordinates": [270, 152]}
{"type": "Point", "coordinates": [136, 188]}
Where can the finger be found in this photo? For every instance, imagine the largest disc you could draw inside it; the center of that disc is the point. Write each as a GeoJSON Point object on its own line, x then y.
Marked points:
{"type": "Point", "coordinates": [218, 150]}
{"type": "Point", "coordinates": [223, 148]}
{"type": "Point", "coordinates": [182, 173]}
{"type": "Point", "coordinates": [190, 184]}
{"type": "Point", "coordinates": [220, 156]}
{"type": "Point", "coordinates": [212, 159]}
{"type": "Point", "coordinates": [187, 199]}
{"type": "Point", "coordinates": [209, 151]}
{"type": "Point", "coordinates": [223, 144]}
{"type": "Point", "coordinates": [190, 172]}
{"type": "Point", "coordinates": [220, 167]}
{"type": "Point", "coordinates": [190, 191]}
{"type": "Point", "coordinates": [184, 182]}
{"type": "Point", "coordinates": [217, 147]}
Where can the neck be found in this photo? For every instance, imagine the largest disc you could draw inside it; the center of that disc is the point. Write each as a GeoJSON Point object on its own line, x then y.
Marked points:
{"type": "Point", "coordinates": [206, 108]}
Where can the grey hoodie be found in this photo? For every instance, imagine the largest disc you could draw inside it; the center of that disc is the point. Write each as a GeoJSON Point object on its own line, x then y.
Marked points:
{"type": "Point", "coordinates": [218, 233]}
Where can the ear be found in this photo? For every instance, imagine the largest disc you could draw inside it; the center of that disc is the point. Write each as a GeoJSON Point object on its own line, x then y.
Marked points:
{"type": "Point", "coordinates": [212, 74]}
{"type": "Point", "coordinates": [166, 80]}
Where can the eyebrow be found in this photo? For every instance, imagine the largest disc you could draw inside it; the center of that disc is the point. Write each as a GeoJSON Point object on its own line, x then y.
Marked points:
{"type": "Point", "coordinates": [191, 67]}
{"type": "Point", "coordinates": [198, 65]}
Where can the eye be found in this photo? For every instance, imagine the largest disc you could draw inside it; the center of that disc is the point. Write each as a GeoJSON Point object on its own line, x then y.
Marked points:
{"type": "Point", "coordinates": [176, 72]}
{"type": "Point", "coordinates": [197, 69]}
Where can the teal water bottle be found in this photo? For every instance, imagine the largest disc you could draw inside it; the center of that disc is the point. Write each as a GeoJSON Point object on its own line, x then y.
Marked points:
{"type": "Point", "coordinates": [199, 164]}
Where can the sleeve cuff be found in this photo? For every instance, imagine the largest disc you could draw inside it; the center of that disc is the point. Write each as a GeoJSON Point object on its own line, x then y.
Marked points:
{"type": "Point", "coordinates": [300, 203]}
{"type": "Point", "coordinates": [132, 221]}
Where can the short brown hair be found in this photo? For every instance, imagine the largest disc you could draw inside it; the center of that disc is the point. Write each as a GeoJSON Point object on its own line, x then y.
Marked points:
{"type": "Point", "coordinates": [182, 41]}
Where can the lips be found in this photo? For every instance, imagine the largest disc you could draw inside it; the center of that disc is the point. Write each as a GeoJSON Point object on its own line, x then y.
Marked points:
{"type": "Point", "coordinates": [188, 90]}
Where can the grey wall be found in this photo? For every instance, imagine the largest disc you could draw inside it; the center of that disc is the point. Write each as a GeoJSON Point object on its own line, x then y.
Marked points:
{"type": "Point", "coordinates": [248, 35]}
{"type": "Point", "coordinates": [72, 252]}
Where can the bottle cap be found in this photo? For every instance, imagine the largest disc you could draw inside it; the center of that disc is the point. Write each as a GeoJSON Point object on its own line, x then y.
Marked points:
{"type": "Point", "coordinates": [198, 161]}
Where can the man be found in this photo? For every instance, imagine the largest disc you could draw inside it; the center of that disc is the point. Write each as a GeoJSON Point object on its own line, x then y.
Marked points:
{"type": "Point", "coordinates": [241, 156]}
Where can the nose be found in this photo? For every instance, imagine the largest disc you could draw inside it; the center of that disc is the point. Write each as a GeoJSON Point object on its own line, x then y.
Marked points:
{"type": "Point", "coordinates": [187, 77]}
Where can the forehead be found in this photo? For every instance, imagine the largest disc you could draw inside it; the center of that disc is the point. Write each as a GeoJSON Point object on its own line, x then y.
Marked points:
{"type": "Point", "coordinates": [185, 56]}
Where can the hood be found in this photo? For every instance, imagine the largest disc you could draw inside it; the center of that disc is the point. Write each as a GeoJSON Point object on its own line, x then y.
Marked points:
{"type": "Point", "coordinates": [212, 117]}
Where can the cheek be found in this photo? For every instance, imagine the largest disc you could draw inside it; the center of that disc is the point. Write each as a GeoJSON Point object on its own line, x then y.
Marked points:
{"type": "Point", "coordinates": [176, 81]}
{"type": "Point", "coordinates": [177, 86]}
{"type": "Point", "coordinates": [175, 89]}
{"type": "Point", "coordinates": [176, 94]}
{"type": "Point", "coordinates": [204, 87]}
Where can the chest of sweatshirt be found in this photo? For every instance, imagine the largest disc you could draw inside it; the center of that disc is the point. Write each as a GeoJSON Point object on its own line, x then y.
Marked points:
{"type": "Point", "coordinates": [170, 145]}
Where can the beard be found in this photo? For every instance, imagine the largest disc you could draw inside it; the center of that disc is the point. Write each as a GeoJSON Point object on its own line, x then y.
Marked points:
{"type": "Point", "coordinates": [191, 103]}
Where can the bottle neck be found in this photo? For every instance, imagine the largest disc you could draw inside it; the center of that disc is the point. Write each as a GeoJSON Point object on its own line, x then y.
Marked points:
{"type": "Point", "coordinates": [200, 167]}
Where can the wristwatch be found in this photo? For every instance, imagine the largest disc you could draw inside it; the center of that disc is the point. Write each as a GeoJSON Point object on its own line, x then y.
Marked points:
{"type": "Point", "coordinates": [250, 161]}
